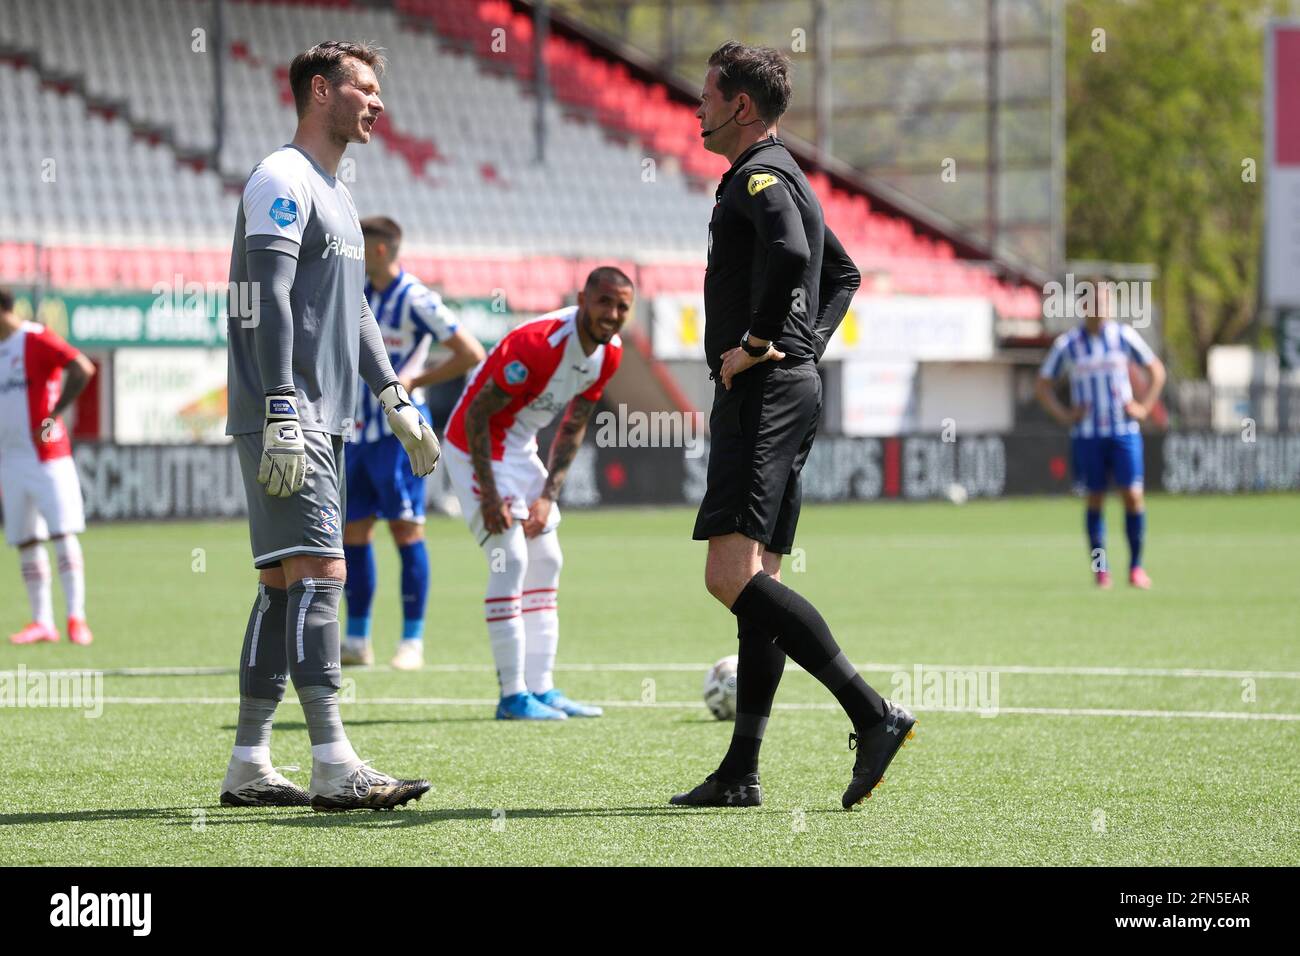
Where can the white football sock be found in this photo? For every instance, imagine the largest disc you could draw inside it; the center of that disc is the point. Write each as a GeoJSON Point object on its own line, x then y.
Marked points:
{"type": "Point", "coordinates": [35, 564]}
{"type": "Point", "coordinates": [72, 574]}
{"type": "Point", "coordinates": [257, 755]}
{"type": "Point", "coordinates": [507, 556]}
{"type": "Point", "coordinates": [336, 751]}
{"type": "Point", "coordinates": [540, 611]}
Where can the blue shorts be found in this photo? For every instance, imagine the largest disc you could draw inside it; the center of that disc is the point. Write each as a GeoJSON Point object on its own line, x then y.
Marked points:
{"type": "Point", "coordinates": [380, 482]}
{"type": "Point", "coordinates": [1097, 460]}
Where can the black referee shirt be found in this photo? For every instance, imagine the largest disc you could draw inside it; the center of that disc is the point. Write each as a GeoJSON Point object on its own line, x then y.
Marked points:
{"type": "Point", "coordinates": [774, 268]}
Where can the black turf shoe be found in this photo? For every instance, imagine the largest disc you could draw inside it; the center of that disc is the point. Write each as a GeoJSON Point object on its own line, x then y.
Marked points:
{"type": "Point", "coordinates": [361, 788]}
{"type": "Point", "coordinates": [250, 784]}
{"type": "Point", "coordinates": [717, 792]}
{"type": "Point", "coordinates": [876, 748]}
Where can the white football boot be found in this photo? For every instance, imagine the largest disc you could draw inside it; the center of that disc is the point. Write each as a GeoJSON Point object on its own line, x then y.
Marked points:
{"type": "Point", "coordinates": [250, 784]}
{"type": "Point", "coordinates": [357, 786]}
{"type": "Point", "coordinates": [356, 650]}
{"type": "Point", "coordinates": [409, 656]}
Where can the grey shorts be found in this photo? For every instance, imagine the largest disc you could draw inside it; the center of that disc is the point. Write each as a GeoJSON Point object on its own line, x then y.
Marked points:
{"type": "Point", "coordinates": [309, 522]}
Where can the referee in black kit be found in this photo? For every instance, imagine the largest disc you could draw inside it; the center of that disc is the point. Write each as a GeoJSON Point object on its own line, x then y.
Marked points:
{"type": "Point", "coordinates": [778, 284]}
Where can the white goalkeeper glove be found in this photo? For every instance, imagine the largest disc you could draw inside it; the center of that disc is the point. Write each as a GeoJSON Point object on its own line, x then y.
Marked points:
{"type": "Point", "coordinates": [411, 429]}
{"type": "Point", "coordinates": [284, 454]}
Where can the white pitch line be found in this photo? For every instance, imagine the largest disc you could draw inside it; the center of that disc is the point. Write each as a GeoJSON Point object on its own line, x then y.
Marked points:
{"type": "Point", "coordinates": [695, 705]}
{"type": "Point", "coordinates": [869, 667]}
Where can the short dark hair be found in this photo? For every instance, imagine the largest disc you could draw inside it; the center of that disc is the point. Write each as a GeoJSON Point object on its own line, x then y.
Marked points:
{"type": "Point", "coordinates": [329, 59]}
{"type": "Point", "coordinates": [6, 300]}
{"type": "Point", "coordinates": [610, 274]}
{"type": "Point", "coordinates": [759, 71]}
{"type": "Point", "coordinates": [381, 227]}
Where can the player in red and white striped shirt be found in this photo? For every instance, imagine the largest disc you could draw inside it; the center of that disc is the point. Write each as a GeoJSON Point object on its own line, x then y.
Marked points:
{"type": "Point", "coordinates": [507, 496]}
{"type": "Point", "coordinates": [40, 377]}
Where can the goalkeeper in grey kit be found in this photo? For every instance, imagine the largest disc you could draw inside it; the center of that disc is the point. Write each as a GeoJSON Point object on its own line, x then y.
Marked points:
{"type": "Point", "coordinates": [293, 366]}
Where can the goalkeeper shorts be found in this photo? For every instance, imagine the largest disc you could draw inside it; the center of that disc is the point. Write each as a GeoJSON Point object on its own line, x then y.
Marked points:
{"type": "Point", "coordinates": [308, 522]}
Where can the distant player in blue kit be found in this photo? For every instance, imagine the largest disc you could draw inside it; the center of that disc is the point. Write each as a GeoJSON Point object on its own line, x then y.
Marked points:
{"type": "Point", "coordinates": [380, 481]}
{"type": "Point", "coordinates": [1104, 420]}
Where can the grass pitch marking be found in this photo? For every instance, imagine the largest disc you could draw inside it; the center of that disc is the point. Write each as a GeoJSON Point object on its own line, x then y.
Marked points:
{"type": "Point", "coordinates": [871, 667]}
{"type": "Point", "coordinates": [696, 705]}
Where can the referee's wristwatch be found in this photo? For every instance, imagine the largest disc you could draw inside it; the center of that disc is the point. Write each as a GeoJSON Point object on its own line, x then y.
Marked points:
{"type": "Point", "coordinates": [753, 351]}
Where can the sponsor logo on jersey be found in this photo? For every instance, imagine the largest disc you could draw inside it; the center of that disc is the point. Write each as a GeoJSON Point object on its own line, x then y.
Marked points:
{"type": "Point", "coordinates": [760, 181]}
{"type": "Point", "coordinates": [341, 247]}
{"type": "Point", "coordinates": [329, 520]}
{"type": "Point", "coordinates": [13, 385]}
{"type": "Point", "coordinates": [546, 402]}
{"type": "Point", "coordinates": [516, 373]}
{"type": "Point", "coordinates": [284, 212]}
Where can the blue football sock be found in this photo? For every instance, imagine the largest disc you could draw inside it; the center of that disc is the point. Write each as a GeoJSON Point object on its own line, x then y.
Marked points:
{"type": "Point", "coordinates": [1136, 526]}
{"type": "Point", "coordinates": [360, 587]}
{"type": "Point", "coordinates": [1096, 526]}
{"type": "Point", "coordinates": [415, 588]}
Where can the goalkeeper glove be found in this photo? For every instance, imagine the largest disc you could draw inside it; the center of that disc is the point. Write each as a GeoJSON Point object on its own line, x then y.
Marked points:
{"type": "Point", "coordinates": [411, 429]}
{"type": "Point", "coordinates": [284, 454]}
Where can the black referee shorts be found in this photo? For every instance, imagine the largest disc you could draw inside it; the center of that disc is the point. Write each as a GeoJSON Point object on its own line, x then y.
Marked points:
{"type": "Point", "coordinates": [760, 434]}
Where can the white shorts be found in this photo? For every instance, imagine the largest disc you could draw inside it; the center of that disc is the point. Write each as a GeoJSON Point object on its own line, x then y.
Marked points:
{"type": "Point", "coordinates": [519, 478]}
{"type": "Point", "coordinates": [41, 498]}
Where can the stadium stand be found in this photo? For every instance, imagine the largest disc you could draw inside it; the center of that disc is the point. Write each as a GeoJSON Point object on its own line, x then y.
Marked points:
{"type": "Point", "coordinates": [139, 196]}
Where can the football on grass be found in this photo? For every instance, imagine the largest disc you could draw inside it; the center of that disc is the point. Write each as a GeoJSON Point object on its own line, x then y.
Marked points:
{"type": "Point", "coordinates": [720, 689]}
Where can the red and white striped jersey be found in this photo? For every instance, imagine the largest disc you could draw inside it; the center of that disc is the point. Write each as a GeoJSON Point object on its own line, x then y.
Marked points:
{"type": "Point", "coordinates": [31, 377]}
{"type": "Point", "coordinates": [541, 365]}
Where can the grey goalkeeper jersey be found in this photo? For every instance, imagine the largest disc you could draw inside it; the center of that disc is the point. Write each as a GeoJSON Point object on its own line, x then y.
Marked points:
{"type": "Point", "coordinates": [291, 204]}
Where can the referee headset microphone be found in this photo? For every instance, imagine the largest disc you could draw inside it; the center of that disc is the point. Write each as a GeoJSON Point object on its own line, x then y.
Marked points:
{"type": "Point", "coordinates": [706, 133]}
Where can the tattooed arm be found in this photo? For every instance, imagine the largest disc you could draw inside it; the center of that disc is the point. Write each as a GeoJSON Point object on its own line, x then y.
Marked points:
{"type": "Point", "coordinates": [568, 439]}
{"type": "Point", "coordinates": [490, 400]}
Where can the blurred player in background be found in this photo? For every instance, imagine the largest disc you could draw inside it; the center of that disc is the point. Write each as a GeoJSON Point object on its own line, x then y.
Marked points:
{"type": "Point", "coordinates": [508, 498]}
{"type": "Point", "coordinates": [1105, 422]}
{"type": "Point", "coordinates": [380, 481]}
{"type": "Point", "coordinates": [40, 377]}
{"type": "Point", "coordinates": [777, 285]}
{"type": "Point", "coordinates": [293, 371]}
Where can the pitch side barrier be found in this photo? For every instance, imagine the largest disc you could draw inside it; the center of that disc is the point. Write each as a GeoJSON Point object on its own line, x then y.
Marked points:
{"type": "Point", "coordinates": [165, 482]}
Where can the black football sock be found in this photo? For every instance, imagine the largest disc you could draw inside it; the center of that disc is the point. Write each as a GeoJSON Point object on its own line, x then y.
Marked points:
{"type": "Point", "coordinates": [758, 673]}
{"type": "Point", "coordinates": [313, 648]}
{"type": "Point", "coordinates": [263, 667]}
{"type": "Point", "coordinates": [804, 636]}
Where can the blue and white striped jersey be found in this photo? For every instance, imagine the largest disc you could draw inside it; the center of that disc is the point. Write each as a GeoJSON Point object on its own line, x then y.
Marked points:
{"type": "Point", "coordinates": [410, 318]}
{"type": "Point", "coordinates": [1098, 367]}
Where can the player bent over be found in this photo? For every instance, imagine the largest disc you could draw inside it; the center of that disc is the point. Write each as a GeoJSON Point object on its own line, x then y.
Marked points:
{"type": "Point", "coordinates": [292, 383]}
{"type": "Point", "coordinates": [508, 497]}
{"type": "Point", "coordinates": [42, 496]}
{"type": "Point", "coordinates": [380, 481]}
{"type": "Point", "coordinates": [1104, 421]}
{"type": "Point", "coordinates": [778, 284]}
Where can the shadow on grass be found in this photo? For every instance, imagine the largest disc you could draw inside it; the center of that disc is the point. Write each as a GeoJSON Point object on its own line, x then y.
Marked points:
{"type": "Point", "coordinates": [413, 816]}
{"type": "Point", "coordinates": [215, 815]}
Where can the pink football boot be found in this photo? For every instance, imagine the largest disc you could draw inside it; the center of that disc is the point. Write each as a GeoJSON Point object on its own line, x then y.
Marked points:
{"type": "Point", "coordinates": [78, 632]}
{"type": "Point", "coordinates": [34, 633]}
